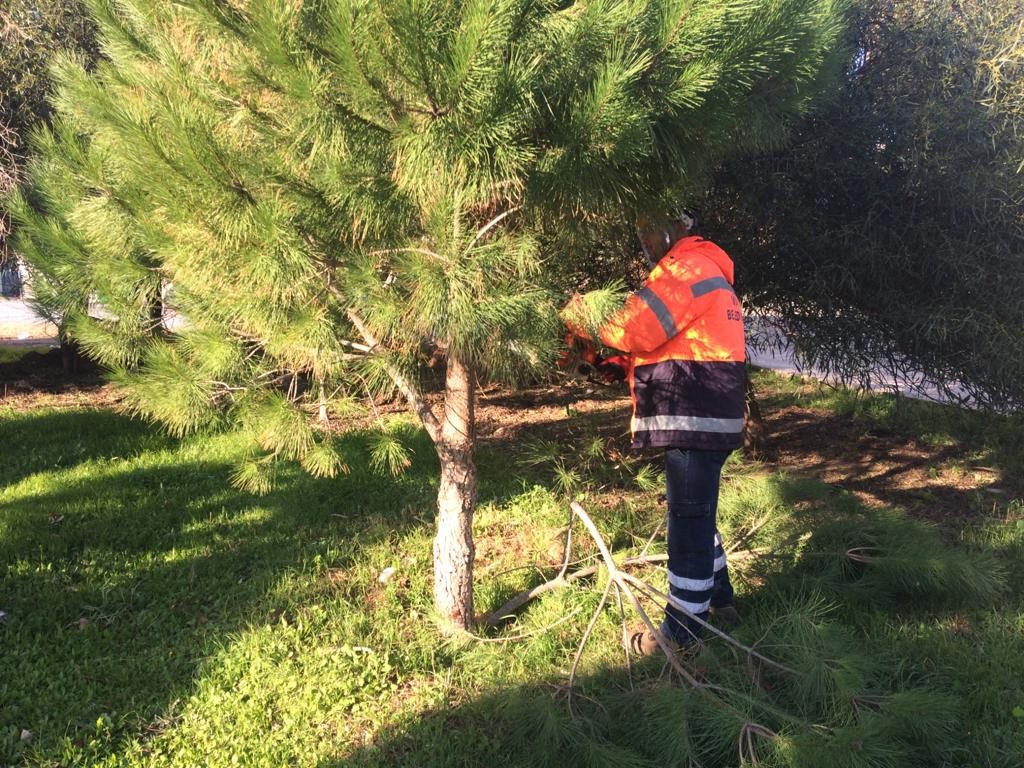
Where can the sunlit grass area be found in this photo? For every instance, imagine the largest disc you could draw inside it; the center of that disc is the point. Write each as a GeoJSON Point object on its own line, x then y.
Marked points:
{"type": "Point", "coordinates": [156, 616]}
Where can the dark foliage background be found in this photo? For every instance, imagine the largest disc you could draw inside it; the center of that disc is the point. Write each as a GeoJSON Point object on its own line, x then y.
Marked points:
{"type": "Point", "coordinates": [31, 32]}
{"type": "Point", "coordinates": [891, 231]}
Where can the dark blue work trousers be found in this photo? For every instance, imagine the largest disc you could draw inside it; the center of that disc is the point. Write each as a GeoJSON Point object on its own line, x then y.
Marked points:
{"type": "Point", "coordinates": [697, 572]}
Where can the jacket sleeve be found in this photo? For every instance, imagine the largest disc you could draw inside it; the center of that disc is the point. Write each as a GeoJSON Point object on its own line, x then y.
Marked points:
{"type": "Point", "coordinates": [652, 315]}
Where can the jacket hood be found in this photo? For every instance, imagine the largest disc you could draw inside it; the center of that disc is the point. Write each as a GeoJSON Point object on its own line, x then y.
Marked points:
{"type": "Point", "coordinates": [710, 251]}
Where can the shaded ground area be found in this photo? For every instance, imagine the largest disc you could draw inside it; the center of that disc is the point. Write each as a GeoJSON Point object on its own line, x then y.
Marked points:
{"type": "Point", "coordinates": [938, 479]}
{"type": "Point", "coordinates": [547, 412]}
{"type": "Point", "coordinates": [35, 378]}
{"type": "Point", "coordinates": [938, 462]}
{"type": "Point", "coordinates": [881, 468]}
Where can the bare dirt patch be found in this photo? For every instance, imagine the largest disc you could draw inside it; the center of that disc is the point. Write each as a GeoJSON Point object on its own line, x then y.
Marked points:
{"type": "Point", "coordinates": [38, 380]}
{"type": "Point", "coordinates": [553, 413]}
{"type": "Point", "coordinates": [937, 482]}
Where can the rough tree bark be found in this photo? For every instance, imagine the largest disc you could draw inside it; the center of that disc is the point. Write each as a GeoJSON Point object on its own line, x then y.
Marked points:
{"type": "Point", "coordinates": [68, 353]}
{"type": "Point", "coordinates": [456, 500]}
{"type": "Point", "coordinates": [753, 422]}
{"type": "Point", "coordinates": [454, 439]}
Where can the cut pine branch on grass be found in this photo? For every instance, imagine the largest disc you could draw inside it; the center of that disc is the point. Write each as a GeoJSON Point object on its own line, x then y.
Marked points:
{"type": "Point", "coordinates": [624, 584]}
{"type": "Point", "coordinates": [615, 576]}
{"type": "Point", "coordinates": [716, 696]}
{"type": "Point", "coordinates": [625, 581]}
{"type": "Point", "coordinates": [508, 610]}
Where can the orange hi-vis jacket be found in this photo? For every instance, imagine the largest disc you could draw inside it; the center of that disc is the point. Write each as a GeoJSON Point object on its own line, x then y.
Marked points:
{"type": "Point", "coordinates": [684, 334]}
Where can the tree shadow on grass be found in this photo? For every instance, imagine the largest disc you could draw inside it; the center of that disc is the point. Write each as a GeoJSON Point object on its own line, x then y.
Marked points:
{"type": "Point", "coordinates": [120, 585]}
{"type": "Point", "coordinates": [650, 723]}
{"type": "Point", "coordinates": [54, 440]}
{"type": "Point", "coordinates": [128, 559]}
{"type": "Point", "coordinates": [121, 576]}
{"type": "Point", "coordinates": [518, 727]}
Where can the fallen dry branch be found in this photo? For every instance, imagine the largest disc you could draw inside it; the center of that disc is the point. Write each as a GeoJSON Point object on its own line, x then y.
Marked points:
{"type": "Point", "coordinates": [615, 575]}
{"type": "Point", "coordinates": [513, 604]}
{"type": "Point", "coordinates": [508, 610]}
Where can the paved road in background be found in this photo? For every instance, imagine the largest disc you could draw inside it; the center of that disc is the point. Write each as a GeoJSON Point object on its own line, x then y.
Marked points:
{"type": "Point", "coordinates": [19, 326]}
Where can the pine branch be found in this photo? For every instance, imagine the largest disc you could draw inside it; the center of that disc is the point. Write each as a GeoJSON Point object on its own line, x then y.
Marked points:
{"type": "Point", "coordinates": [616, 575]}
{"type": "Point", "coordinates": [422, 409]}
{"type": "Point", "coordinates": [563, 579]}
{"type": "Point", "coordinates": [586, 636]}
{"type": "Point", "coordinates": [508, 609]}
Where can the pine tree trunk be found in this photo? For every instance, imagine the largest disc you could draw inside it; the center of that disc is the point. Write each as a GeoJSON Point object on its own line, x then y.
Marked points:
{"type": "Point", "coordinates": [456, 501]}
{"type": "Point", "coordinates": [68, 353]}
{"type": "Point", "coordinates": [753, 422]}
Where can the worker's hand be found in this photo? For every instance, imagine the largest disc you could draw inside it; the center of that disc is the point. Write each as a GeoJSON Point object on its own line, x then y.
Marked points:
{"type": "Point", "coordinates": [580, 357]}
{"type": "Point", "coordinates": [574, 314]}
{"type": "Point", "coordinates": [613, 369]}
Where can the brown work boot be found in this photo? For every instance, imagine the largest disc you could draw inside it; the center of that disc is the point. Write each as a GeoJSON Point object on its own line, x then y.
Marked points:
{"type": "Point", "coordinates": [727, 614]}
{"type": "Point", "coordinates": [643, 643]}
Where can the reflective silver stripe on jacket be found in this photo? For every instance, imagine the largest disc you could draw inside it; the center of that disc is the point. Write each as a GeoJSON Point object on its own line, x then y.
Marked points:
{"type": "Point", "coordinates": [709, 285]}
{"type": "Point", "coordinates": [660, 310]}
{"type": "Point", "coordinates": [685, 424]}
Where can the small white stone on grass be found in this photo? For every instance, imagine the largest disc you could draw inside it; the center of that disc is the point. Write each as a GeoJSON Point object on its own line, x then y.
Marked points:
{"type": "Point", "coordinates": [386, 574]}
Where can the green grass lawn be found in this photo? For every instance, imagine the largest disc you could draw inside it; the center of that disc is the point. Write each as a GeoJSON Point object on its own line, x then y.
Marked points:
{"type": "Point", "coordinates": [155, 616]}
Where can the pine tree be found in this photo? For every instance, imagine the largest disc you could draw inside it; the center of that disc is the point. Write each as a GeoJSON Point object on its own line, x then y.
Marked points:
{"type": "Point", "coordinates": [329, 190]}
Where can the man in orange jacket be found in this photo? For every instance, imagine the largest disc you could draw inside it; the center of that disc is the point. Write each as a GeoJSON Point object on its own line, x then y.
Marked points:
{"type": "Point", "coordinates": [682, 333]}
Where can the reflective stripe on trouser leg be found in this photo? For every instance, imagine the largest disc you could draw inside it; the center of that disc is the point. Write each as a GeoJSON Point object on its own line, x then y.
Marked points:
{"type": "Point", "coordinates": [719, 553]}
{"type": "Point", "coordinates": [692, 479]}
{"type": "Point", "coordinates": [722, 592]}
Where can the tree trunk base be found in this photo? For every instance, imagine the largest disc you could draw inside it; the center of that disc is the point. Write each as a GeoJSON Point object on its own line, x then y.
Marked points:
{"type": "Point", "coordinates": [454, 552]}
{"type": "Point", "coordinates": [754, 433]}
{"type": "Point", "coordinates": [456, 501]}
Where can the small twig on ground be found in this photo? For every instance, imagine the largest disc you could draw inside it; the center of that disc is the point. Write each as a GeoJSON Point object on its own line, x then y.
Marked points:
{"type": "Point", "coordinates": [856, 554]}
{"type": "Point", "coordinates": [525, 635]}
{"type": "Point", "coordinates": [625, 631]}
{"type": "Point", "coordinates": [747, 536]}
{"type": "Point", "coordinates": [584, 639]}
{"type": "Point", "coordinates": [651, 540]}
{"type": "Point", "coordinates": [568, 548]}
